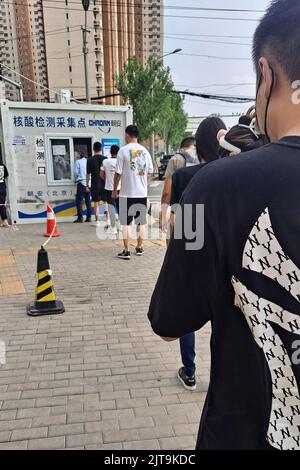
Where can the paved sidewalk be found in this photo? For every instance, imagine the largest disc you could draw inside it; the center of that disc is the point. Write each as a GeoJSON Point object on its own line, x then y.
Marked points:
{"type": "Point", "coordinates": [95, 377]}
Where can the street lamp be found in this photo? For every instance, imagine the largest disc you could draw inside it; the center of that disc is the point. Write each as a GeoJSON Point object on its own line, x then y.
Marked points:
{"type": "Point", "coordinates": [86, 6]}
{"type": "Point", "coordinates": [172, 53]}
{"type": "Point", "coordinates": [152, 145]}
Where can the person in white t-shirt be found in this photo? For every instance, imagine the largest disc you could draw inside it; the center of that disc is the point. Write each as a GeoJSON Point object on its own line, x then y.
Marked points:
{"type": "Point", "coordinates": [134, 164]}
{"type": "Point", "coordinates": [107, 173]}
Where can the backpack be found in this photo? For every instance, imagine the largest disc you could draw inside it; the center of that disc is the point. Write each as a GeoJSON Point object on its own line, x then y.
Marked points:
{"type": "Point", "coordinates": [189, 160]}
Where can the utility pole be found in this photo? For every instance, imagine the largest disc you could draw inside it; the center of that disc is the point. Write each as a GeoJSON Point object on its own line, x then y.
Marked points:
{"type": "Point", "coordinates": [85, 31]}
{"type": "Point", "coordinates": [152, 140]}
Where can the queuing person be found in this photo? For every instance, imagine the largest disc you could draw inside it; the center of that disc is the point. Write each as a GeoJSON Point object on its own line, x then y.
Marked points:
{"type": "Point", "coordinates": [3, 195]}
{"type": "Point", "coordinates": [107, 173]}
{"type": "Point", "coordinates": [134, 164]}
{"type": "Point", "coordinates": [97, 184]}
{"type": "Point", "coordinates": [207, 151]}
{"type": "Point", "coordinates": [245, 278]}
{"type": "Point", "coordinates": [186, 156]}
{"type": "Point", "coordinates": [82, 193]}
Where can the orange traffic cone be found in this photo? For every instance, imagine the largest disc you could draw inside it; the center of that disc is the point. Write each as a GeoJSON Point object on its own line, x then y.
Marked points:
{"type": "Point", "coordinates": [51, 223]}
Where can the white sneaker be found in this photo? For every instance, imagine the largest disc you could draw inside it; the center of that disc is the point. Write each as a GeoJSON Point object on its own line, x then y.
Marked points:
{"type": "Point", "coordinates": [114, 231]}
{"type": "Point", "coordinates": [97, 223]}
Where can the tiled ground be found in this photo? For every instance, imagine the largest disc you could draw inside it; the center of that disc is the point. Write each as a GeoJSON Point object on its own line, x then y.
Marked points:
{"type": "Point", "coordinates": [10, 280]}
{"type": "Point", "coordinates": [96, 376]}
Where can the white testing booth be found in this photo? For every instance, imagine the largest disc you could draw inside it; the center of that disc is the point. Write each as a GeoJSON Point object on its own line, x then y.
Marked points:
{"type": "Point", "coordinates": [39, 144]}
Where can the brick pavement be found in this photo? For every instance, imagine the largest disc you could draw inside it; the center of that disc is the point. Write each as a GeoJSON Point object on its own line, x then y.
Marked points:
{"type": "Point", "coordinates": [95, 377]}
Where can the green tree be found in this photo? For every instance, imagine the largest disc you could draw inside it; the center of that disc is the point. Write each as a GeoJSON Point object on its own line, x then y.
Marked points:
{"type": "Point", "coordinates": [173, 121]}
{"type": "Point", "coordinates": [147, 89]}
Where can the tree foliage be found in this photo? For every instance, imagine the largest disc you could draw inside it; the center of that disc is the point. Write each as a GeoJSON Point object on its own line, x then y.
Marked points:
{"type": "Point", "coordinates": [173, 121]}
{"type": "Point", "coordinates": [150, 91]}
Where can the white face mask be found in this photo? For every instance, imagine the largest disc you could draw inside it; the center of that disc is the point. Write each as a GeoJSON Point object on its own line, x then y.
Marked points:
{"type": "Point", "coordinates": [193, 153]}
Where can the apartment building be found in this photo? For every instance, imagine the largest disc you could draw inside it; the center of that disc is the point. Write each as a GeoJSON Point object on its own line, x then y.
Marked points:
{"type": "Point", "coordinates": [22, 48]}
{"type": "Point", "coordinates": [43, 41]}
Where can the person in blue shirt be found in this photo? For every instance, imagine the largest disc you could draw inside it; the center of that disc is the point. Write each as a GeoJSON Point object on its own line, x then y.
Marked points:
{"type": "Point", "coordinates": [82, 191]}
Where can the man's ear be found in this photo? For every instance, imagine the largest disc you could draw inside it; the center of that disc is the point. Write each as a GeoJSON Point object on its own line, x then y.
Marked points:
{"type": "Point", "coordinates": [267, 77]}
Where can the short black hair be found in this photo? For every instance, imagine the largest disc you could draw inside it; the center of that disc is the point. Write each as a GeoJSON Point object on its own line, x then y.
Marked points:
{"type": "Point", "coordinates": [132, 131]}
{"type": "Point", "coordinates": [206, 138]}
{"type": "Point", "coordinates": [187, 142]}
{"type": "Point", "coordinates": [277, 37]}
{"type": "Point", "coordinates": [245, 120]}
{"type": "Point", "coordinates": [97, 147]}
{"type": "Point", "coordinates": [114, 149]}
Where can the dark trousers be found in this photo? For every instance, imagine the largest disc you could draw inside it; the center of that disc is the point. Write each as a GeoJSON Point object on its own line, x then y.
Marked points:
{"type": "Point", "coordinates": [113, 205]}
{"type": "Point", "coordinates": [187, 349]}
{"type": "Point", "coordinates": [3, 213]}
{"type": "Point", "coordinates": [81, 195]}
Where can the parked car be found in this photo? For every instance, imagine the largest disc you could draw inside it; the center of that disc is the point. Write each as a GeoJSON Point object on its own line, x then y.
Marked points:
{"type": "Point", "coordinates": [164, 160]}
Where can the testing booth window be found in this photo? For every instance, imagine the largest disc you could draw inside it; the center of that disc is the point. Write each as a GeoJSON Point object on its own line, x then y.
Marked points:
{"type": "Point", "coordinates": [62, 151]}
{"type": "Point", "coordinates": [60, 160]}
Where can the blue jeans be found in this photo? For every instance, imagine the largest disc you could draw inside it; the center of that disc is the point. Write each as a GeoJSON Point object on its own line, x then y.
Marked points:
{"type": "Point", "coordinates": [80, 196]}
{"type": "Point", "coordinates": [187, 349]}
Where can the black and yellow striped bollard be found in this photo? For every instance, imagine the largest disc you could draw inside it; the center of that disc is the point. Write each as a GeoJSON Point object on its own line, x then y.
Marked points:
{"type": "Point", "coordinates": [45, 301]}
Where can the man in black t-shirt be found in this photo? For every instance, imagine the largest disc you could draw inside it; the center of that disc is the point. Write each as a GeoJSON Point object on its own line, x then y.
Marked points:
{"type": "Point", "coordinates": [246, 278]}
{"type": "Point", "coordinates": [3, 176]}
{"type": "Point", "coordinates": [207, 147]}
{"type": "Point", "coordinates": [187, 373]}
{"type": "Point", "coordinates": [94, 165]}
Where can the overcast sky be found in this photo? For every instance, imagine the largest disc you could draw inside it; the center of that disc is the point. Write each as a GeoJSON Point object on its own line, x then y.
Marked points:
{"type": "Point", "coordinates": [204, 74]}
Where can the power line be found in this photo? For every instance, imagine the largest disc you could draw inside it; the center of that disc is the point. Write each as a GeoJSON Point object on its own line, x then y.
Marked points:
{"type": "Point", "coordinates": [166, 7]}
{"type": "Point", "coordinates": [215, 84]}
{"type": "Point", "coordinates": [211, 35]}
{"type": "Point", "coordinates": [27, 78]}
{"type": "Point", "coordinates": [188, 100]}
{"type": "Point", "coordinates": [232, 87]}
{"type": "Point", "coordinates": [234, 100]}
{"type": "Point", "coordinates": [53, 58]}
{"type": "Point", "coordinates": [230, 10]}
{"type": "Point", "coordinates": [204, 56]}
{"type": "Point", "coordinates": [32, 81]}
{"type": "Point", "coordinates": [68, 29]}
{"type": "Point", "coordinates": [174, 7]}
{"type": "Point", "coordinates": [46, 33]}
{"type": "Point", "coordinates": [213, 56]}
{"type": "Point", "coordinates": [228, 99]}
{"type": "Point", "coordinates": [225, 98]}
{"type": "Point", "coordinates": [236, 114]}
{"type": "Point", "coordinates": [141, 14]}
{"type": "Point", "coordinates": [208, 41]}
{"type": "Point", "coordinates": [170, 36]}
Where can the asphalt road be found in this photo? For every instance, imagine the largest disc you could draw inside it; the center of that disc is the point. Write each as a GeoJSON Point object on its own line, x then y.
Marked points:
{"type": "Point", "coordinates": [155, 190]}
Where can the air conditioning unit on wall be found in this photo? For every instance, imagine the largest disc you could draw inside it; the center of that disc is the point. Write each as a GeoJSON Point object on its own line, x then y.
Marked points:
{"type": "Point", "coordinates": [63, 96]}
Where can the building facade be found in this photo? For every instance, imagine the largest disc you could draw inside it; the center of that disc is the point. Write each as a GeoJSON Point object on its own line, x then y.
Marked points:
{"type": "Point", "coordinates": [43, 41]}
{"type": "Point", "coordinates": [22, 49]}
